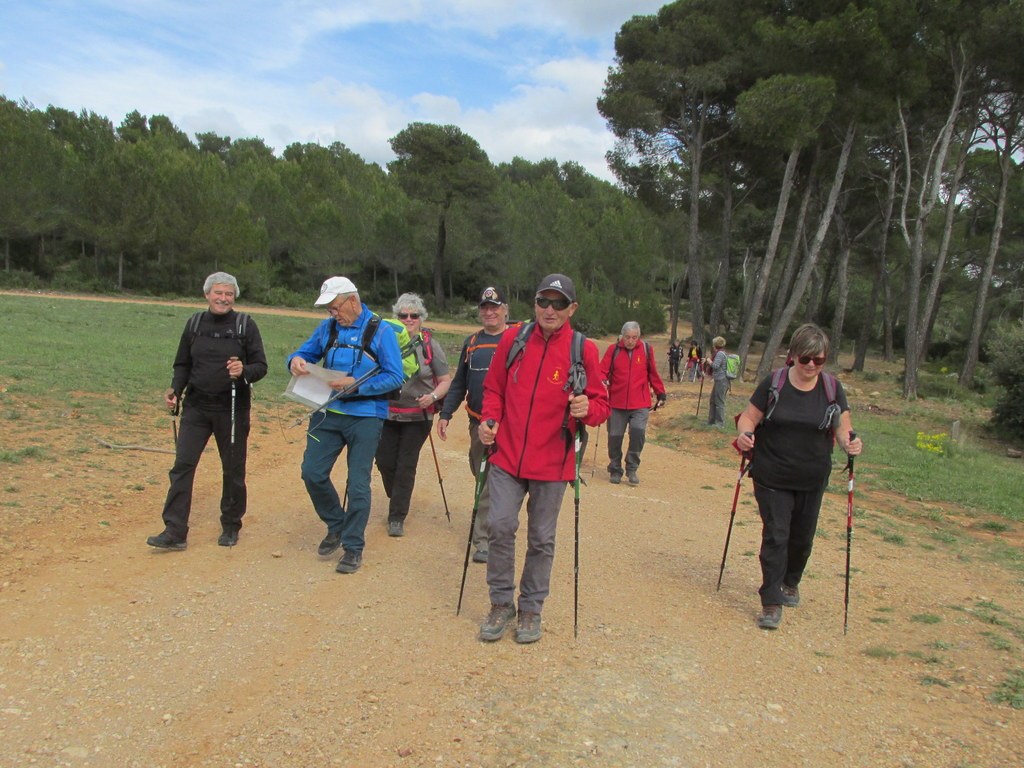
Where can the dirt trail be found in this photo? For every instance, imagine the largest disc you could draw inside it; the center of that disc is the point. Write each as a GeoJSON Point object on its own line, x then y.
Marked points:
{"type": "Point", "coordinates": [114, 654]}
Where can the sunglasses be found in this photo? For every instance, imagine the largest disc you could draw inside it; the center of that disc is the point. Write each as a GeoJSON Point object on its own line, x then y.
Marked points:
{"type": "Point", "coordinates": [408, 315]}
{"type": "Point", "coordinates": [807, 360]}
{"type": "Point", "coordinates": [544, 302]}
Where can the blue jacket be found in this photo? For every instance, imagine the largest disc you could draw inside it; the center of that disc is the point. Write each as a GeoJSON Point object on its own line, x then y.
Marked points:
{"type": "Point", "coordinates": [370, 399]}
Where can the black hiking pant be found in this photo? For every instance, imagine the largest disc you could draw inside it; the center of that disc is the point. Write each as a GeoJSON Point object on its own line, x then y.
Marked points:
{"type": "Point", "coordinates": [789, 520]}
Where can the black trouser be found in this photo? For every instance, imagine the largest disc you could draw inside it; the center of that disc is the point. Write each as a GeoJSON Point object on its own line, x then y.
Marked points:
{"type": "Point", "coordinates": [789, 520]}
{"type": "Point", "coordinates": [197, 424]}
{"type": "Point", "coordinates": [673, 370]}
{"type": "Point", "coordinates": [398, 453]}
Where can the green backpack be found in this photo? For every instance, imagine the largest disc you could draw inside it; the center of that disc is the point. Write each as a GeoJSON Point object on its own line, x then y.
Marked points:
{"type": "Point", "coordinates": [732, 366]}
{"type": "Point", "coordinates": [407, 346]}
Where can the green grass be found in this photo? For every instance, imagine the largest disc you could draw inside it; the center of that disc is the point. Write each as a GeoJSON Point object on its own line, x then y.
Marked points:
{"type": "Point", "coordinates": [1011, 690]}
{"type": "Point", "coordinates": [926, 618]}
{"type": "Point", "coordinates": [974, 478]}
{"type": "Point", "coordinates": [880, 652]}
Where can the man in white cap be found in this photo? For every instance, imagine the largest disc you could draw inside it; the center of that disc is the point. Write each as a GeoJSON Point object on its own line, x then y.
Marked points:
{"type": "Point", "coordinates": [354, 342]}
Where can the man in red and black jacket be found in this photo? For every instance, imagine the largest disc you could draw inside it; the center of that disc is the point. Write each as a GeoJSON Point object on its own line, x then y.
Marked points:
{"type": "Point", "coordinates": [629, 371]}
{"type": "Point", "coordinates": [536, 412]}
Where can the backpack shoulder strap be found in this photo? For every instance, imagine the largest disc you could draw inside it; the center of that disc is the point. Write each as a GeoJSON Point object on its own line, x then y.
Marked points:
{"type": "Point", "coordinates": [428, 352]}
{"type": "Point", "coordinates": [778, 381]}
{"type": "Point", "coordinates": [518, 343]}
{"type": "Point", "coordinates": [243, 323]}
{"type": "Point", "coordinates": [193, 325]}
{"type": "Point", "coordinates": [577, 379]}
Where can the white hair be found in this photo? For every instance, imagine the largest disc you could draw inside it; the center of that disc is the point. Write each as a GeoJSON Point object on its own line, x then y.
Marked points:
{"type": "Point", "coordinates": [221, 278]}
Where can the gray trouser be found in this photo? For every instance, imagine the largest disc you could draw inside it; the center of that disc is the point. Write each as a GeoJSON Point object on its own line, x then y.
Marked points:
{"type": "Point", "coordinates": [636, 422]}
{"type": "Point", "coordinates": [481, 530]}
{"type": "Point", "coordinates": [545, 499]}
{"type": "Point", "coordinates": [716, 411]}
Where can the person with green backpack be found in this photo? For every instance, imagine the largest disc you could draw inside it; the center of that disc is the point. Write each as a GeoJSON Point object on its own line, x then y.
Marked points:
{"type": "Point", "coordinates": [410, 416]}
{"type": "Point", "coordinates": [718, 366]}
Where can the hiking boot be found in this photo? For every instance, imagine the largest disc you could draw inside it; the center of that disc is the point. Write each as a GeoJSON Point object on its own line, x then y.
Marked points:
{"type": "Point", "coordinates": [164, 540]}
{"type": "Point", "coordinates": [790, 596]}
{"type": "Point", "coordinates": [329, 545]}
{"type": "Point", "coordinates": [528, 630]}
{"type": "Point", "coordinates": [480, 556]}
{"type": "Point", "coordinates": [350, 562]}
{"type": "Point", "coordinates": [771, 617]}
{"type": "Point", "coordinates": [633, 479]}
{"type": "Point", "coordinates": [228, 539]}
{"type": "Point", "coordinates": [396, 528]}
{"type": "Point", "coordinates": [615, 479]}
{"type": "Point", "coordinates": [497, 622]}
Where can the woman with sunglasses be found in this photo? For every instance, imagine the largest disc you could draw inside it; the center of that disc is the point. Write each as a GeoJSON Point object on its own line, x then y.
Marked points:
{"type": "Point", "coordinates": [410, 417]}
{"type": "Point", "coordinates": [792, 459]}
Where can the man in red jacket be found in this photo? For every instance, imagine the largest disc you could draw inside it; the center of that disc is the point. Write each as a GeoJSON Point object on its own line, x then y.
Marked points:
{"type": "Point", "coordinates": [536, 412]}
{"type": "Point", "coordinates": [629, 371]}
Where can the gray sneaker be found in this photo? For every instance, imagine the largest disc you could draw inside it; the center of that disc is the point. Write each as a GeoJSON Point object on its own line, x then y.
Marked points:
{"type": "Point", "coordinates": [349, 562]}
{"type": "Point", "coordinates": [633, 479]}
{"type": "Point", "coordinates": [396, 528]}
{"type": "Point", "coordinates": [790, 596]}
{"type": "Point", "coordinates": [480, 556]}
{"type": "Point", "coordinates": [497, 622]}
{"type": "Point", "coordinates": [771, 617]}
{"type": "Point", "coordinates": [528, 630]}
{"type": "Point", "coordinates": [615, 479]}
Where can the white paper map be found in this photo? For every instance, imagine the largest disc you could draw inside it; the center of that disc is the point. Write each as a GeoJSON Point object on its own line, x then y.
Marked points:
{"type": "Point", "coordinates": [312, 390]}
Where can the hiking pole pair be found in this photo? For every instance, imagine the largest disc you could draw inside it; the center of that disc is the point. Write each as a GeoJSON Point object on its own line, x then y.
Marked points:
{"type": "Point", "coordinates": [745, 458]}
{"type": "Point", "coordinates": [849, 531]}
{"type": "Point", "coordinates": [481, 478]}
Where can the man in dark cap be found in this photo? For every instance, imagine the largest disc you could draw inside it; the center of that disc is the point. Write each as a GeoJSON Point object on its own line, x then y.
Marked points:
{"type": "Point", "coordinates": [468, 384]}
{"type": "Point", "coordinates": [536, 400]}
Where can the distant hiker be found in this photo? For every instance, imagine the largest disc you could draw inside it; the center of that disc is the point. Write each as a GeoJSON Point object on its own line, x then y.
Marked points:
{"type": "Point", "coordinates": [410, 416]}
{"type": "Point", "coordinates": [790, 424]}
{"type": "Point", "coordinates": [474, 361]}
{"type": "Point", "coordinates": [530, 394]}
{"type": "Point", "coordinates": [716, 367]}
{"type": "Point", "coordinates": [220, 356]}
{"type": "Point", "coordinates": [356, 343]}
{"type": "Point", "coordinates": [694, 356]}
{"type": "Point", "coordinates": [675, 354]}
{"type": "Point", "coordinates": [629, 371]}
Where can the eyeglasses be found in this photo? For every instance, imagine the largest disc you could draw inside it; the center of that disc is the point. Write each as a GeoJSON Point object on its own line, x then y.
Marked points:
{"type": "Point", "coordinates": [337, 309]}
{"type": "Point", "coordinates": [544, 302]}
{"type": "Point", "coordinates": [807, 360]}
{"type": "Point", "coordinates": [408, 315]}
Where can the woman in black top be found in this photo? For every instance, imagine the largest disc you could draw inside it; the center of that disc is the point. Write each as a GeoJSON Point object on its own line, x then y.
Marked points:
{"type": "Point", "coordinates": [790, 432]}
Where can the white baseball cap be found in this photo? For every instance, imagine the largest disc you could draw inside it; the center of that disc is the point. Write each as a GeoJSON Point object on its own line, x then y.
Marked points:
{"type": "Point", "coordinates": [332, 288]}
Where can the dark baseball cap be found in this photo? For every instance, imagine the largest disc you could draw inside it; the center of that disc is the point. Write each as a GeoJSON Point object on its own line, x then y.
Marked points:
{"type": "Point", "coordinates": [491, 295]}
{"type": "Point", "coordinates": [559, 283]}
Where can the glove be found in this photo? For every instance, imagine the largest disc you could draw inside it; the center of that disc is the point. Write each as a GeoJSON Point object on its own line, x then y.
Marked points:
{"type": "Point", "coordinates": [661, 400]}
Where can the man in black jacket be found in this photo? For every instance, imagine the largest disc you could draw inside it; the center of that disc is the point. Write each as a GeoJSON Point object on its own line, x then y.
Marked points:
{"type": "Point", "coordinates": [220, 356]}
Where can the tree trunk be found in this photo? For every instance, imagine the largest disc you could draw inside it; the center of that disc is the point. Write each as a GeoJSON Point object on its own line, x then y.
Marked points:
{"type": "Point", "coordinates": [693, 240]}
{"type": "Point", "coordinates": [777, 332]}
{"type": "Point", "coordinates": [753, 307]}
{"type": "Point", "coordinates": [120, 270]}
{"type": "Point", "coordinates": [442, 242]}
{"type": "Point", "coordinates": [842, 296]}
{"type": "Point", "coordinates": [722, 283]}
{"type": "Point", "coordinates": [7, 254]}
{"type": "Point", "coordinates": [977, 321]}
{"type": "Point", "coordinates": [860, 350]}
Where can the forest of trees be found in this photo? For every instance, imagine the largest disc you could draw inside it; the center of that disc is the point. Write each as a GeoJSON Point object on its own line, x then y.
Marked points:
{"type": "Point", "coordinates": [851, 163]}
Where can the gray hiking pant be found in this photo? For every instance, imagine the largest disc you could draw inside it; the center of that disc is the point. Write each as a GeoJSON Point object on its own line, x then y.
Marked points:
{"type": "Point", "coordinates": [621, 420]}
{"type": "Point", "coordinates": [545, 499]}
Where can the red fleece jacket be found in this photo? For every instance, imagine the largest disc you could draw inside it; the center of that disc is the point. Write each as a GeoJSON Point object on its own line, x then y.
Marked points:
{"type": "Point", "coordinates": [631, 375]}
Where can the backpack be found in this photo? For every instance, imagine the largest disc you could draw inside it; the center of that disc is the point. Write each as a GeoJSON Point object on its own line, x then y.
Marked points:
{"type": "Point", "coordinates": [829, 421]}
{"type": "Point", "coordinates": [239, 332]}
{"type": "Point", "coordinates": [732, 366]}
{"type": "Point", "coordinates": [410, 365]}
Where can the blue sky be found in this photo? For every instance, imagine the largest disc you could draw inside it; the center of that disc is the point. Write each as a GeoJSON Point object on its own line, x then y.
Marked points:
{"type": "Point", "coordinates": [521, 77]}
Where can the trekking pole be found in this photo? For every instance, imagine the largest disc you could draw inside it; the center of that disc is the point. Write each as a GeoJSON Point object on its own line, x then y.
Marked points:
{"type": "Point", "coordinates": [481, 478]}
{"type": "Point", "coordinates": [700, 395]}
{"type": "Point", "coordinates": [576, 539]}
{"type": "Point", "coordinates": [440, 480]}
{"type": "Point", "coordinates": [231, 449]}
{"type": "Point", "coordinates": [174, 416]}
{"type": "Point", "coordinates": [744, 465]}
{"type": "Point", "coordinates": [597, 441]}
{"type": "Point", "coordinates": [849, 531]}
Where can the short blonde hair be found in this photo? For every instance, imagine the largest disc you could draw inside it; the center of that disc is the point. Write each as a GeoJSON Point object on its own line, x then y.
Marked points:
{"type": "Point", "coordinates": [718, 342]}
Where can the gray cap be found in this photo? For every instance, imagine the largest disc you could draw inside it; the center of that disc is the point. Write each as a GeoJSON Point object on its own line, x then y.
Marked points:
{"type": "Point", "coordinates": [559, 283]}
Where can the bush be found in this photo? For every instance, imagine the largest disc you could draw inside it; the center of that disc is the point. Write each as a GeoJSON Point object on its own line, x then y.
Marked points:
{"type": "Point", "coordinates": [1007, 354]}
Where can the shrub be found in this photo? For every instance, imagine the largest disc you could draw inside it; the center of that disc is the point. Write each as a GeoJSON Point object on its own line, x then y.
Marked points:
{"type": "Point", "coordinates": [1007, 352]}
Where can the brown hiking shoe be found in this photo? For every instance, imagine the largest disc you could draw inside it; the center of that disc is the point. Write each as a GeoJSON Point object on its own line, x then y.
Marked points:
{"type": "Point", "coordinates": [790, 596]}
{"type": "Point", "coordinates": [771, 617]}
{"type": "Point", "coordinates": [497, 622]}
{"type": "Point", "coordinates": [528, 630]}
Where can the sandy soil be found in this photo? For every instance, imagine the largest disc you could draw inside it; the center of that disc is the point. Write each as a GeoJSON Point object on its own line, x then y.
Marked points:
{"type": "Point", "coordinates": [114, 654]}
